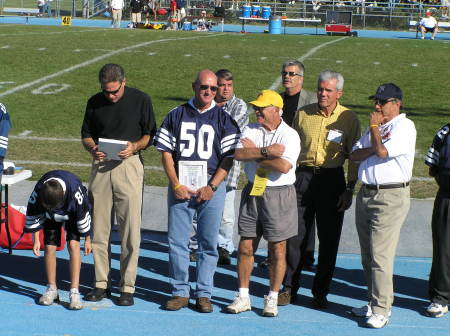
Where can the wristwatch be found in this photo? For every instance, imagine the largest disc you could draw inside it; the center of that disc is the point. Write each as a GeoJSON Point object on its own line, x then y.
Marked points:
{"type": "Point", "coordinates": [264, 152]}
{"type": "Point", "coordinates": [213, 187]}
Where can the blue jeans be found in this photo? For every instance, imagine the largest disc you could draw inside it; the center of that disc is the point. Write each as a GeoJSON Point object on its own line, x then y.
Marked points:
{"type": "Point", "coordinates": [226, 229]}
{"type": "Point", "coordinates": [208, 215]}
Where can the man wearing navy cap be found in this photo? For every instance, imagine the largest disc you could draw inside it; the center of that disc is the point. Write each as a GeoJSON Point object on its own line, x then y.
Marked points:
{"type": "Point", "coordinates": [386, 156]}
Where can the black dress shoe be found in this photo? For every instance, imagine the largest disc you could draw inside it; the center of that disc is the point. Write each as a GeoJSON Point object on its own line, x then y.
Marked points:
{"type": "Point", "coordinates": [125, 299]}
{"type": "Point", "coordinates": [97, 294]}
{"type": "Point", "coordinates": [224, 257]}
{"type": "Point", "coordinates": [320, 302]}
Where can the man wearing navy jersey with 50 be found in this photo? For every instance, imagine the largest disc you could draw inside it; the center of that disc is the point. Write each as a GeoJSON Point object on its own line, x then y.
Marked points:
{"type": "Point", "coordinates": [198, 132]}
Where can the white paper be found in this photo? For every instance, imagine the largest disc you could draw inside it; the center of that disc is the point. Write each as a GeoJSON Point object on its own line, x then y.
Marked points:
{"type": "Point", "coordinates": [193, 174]}
{"type": "Point", "coordinates": [111, 147]}
{"type": "Point", "coordinates": [335, 136]}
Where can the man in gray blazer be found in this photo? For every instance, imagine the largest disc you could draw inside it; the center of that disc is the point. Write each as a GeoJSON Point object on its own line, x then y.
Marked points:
{"type": "Point", "coordinates": [294, 96]}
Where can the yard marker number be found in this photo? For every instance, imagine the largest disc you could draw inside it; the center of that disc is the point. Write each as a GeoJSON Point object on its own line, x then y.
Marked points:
{"type": "Point", "coordinates": [66, 20]}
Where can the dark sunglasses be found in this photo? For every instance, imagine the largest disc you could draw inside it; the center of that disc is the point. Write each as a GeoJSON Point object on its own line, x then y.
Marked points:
{"type": "Point", "coordinates": [114, 92]}
{"type": "Point", "coordinates": [382, 102]}
{"type": "Point", "coordinates": [290, 73]}
{"type": "Point", "coordinates": [206, 87]}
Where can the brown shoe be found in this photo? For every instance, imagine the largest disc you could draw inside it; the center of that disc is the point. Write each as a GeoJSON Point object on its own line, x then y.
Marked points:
{"type": "Point", "coordinates": [203, 305]}
{"type": "Point", "coordinates": [176, 303]}
{"type": "Point", "coordinates": [284, 298]}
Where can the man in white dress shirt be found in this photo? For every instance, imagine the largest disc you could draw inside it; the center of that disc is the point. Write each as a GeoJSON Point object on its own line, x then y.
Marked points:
{"type": "Point", "coordinates": [386, 152]}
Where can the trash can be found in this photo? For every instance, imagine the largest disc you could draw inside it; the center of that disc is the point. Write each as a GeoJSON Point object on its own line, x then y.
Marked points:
{"type": "Point", "coordinates": [275, 25]}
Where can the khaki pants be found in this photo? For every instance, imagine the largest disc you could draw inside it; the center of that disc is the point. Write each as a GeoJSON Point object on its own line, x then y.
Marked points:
{"type": "Point", "coordinates": [379, 217]}
{"type": "Point", "coordinates": [118, 184]}
{"type": "Point", "coordinates": [136, 17]}
{"type": "Point", "coordinates": [116, 17]}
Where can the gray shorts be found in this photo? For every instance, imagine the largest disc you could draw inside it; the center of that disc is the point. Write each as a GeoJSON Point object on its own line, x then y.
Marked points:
{"type": "Point", "coordinates": [272, 215]}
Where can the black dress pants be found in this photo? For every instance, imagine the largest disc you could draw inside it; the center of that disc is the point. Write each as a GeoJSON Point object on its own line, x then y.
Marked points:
{"type": "Point", "coordinates": [318, 192]}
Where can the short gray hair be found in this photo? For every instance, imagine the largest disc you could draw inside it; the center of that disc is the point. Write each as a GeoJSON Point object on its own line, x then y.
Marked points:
{"type": "Point", "coordinates": [327, 75]}
{"type": "Point", "coordinates": [296, 63]}
{"type": "Point", "coordinates": [111, 73]}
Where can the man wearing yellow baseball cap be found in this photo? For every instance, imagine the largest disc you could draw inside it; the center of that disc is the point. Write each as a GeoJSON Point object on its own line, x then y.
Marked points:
{"type": "Point", "coordinates": [270, 149]}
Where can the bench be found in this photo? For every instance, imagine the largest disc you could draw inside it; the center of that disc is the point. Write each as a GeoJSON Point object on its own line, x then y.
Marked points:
{"type": "Point", "coordinates": [444, 27]}
{"type": "Point", "coordinates": [22, 11]}
{"type": "Point", "coordinates": [303, 20]}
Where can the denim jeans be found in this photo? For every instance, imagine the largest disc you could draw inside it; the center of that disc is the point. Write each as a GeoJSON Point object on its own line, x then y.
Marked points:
{"type": "Point", "coordinates": [226, 230]}
{"type": "Point", "coordinates": [181, 214]}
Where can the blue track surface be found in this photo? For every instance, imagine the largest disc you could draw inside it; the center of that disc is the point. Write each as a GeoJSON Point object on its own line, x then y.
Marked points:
{"type": "Point", "coordinates": [227, 27]}
{"type": "Point", "coordinates": [23, 279]}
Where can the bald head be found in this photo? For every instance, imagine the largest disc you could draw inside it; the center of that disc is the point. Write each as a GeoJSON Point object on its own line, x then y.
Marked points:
{"type": "Point", "coordinates": [205, 88]}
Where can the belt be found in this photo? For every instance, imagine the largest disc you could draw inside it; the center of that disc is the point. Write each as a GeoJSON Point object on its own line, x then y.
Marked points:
{"type": "Point", "coordinates": [386, 186]}
{"type": "Point", "coordinates": [318, 170]}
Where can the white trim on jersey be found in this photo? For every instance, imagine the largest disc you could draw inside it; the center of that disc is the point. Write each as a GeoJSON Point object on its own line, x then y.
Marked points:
{"type": "Point", "coordinates": [34, 222]}
{"type": "Point", "coordinates": [163, 137]}
{"type": "Point", "coordinates": [229, 142]}
{"type": "Point", "coordinates": [432, 156]}
{"type": "Point", "coordinates": [84, 225]}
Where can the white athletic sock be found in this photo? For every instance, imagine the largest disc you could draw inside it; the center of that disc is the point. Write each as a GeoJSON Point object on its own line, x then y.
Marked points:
{"type": "Point", "coordinates": [74, 290]}
{"type": "Point", "coordinates": [52, 287]}
{"type": "Point", "coordinates": [273, 294]}
{"type": "Point", "coordinates": [243, 292]}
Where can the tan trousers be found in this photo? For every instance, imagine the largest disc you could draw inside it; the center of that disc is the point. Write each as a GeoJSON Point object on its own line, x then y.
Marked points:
{"type": "Point", "coordinates": [118, 184]}
{"type": "Point", "coordinates": [379, 217]}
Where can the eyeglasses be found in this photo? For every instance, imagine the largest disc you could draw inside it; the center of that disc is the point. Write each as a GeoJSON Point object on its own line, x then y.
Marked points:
{"type": "Point", "coordinates": [290, 73]}
{"type": "Point", "coordinates": [383, 102]}
{"type": "Point", "coordinates": [206, 87]}
{"type": "Point", "coordinates": [114, 92]}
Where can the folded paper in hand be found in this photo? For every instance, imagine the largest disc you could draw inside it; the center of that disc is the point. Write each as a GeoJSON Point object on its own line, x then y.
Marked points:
{"type": "Point", "coordinates": [111, 147]}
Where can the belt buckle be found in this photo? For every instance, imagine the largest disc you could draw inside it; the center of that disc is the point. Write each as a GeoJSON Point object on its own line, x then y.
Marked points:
{"type": "Point", "coordinates": [316, 170]}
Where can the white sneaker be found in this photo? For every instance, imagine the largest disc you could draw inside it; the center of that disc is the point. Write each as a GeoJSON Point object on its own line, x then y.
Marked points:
{"type": "Point", "coordinates": [270, 306]}
{"type": "Point", "coordinates": [436, 310]}
{"type": "Point", "coordinates": [239, 305]}
{"type": "Point", "coordinates": [49, 296]}
{"type": "Point", "coordinates": [377, 321]}
{"type": "Point", "coordinates": [365, 311]}
{"type": "Point", "coordinates": [75, 300]}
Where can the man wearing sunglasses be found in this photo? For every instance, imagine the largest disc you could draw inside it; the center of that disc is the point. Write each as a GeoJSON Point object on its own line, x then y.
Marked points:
{"type": "Point", "coordinates": [118, 112]}
{"type": "Point", "coordinates": [196, 134]}
{"type": "Point", "coordinates": [294, 96]}
{"type": "Point", "coordinates": [237, 109]}
{"type": "Point", "coordinates": [386, 156]}
{"type": "Point", "coordinates": [327, 132]}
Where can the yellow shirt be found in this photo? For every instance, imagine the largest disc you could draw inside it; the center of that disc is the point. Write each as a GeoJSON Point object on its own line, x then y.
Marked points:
{"type": "Point", "coordinates": [327, 141]}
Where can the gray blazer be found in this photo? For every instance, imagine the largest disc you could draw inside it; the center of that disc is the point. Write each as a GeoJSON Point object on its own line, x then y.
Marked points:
{"type": "Point", "coordinates": [306, 98]}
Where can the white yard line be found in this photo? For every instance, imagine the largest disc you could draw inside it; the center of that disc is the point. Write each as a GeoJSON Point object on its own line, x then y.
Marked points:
{"type": "Point", "coordinates": [310, 52]}
{"type": "Point", "coordinates": [96, 59]}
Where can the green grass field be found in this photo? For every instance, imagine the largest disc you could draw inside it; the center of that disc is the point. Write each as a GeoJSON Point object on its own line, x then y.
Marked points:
{"type": "Point", "coordinates": [48, 73]}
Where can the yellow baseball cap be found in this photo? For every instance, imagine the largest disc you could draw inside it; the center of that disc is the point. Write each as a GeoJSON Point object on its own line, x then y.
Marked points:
{"type": "Point", "coordinates": [268, 98]}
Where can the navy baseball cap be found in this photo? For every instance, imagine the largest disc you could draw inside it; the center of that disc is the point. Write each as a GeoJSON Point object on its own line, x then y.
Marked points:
{"type": "Point", "coordinates": [386, 91]}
